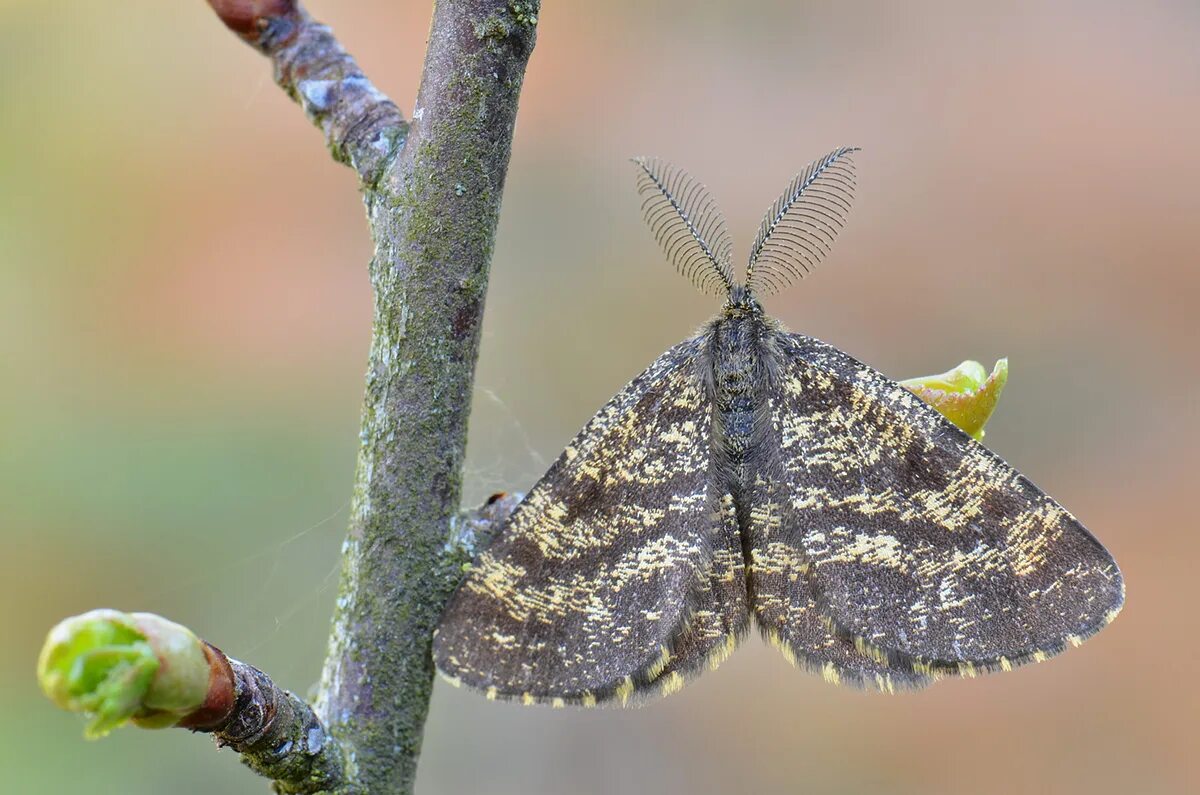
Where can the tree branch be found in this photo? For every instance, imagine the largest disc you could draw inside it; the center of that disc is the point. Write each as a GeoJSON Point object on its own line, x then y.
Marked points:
{"type": "Point", "coordinates": [433, 215]}
{"type": "Point", "coordinates": [362, 127]}
{"type": "Point", "coordinates": [142, 668]}
{"type": "Point", "coordinates": [433, 198]}
{"type": "Point", "coordinates": [278, 735]}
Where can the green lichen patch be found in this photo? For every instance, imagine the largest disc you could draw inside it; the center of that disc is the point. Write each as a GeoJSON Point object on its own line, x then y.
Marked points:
{"type": "Point", "coordinates": [525, 13]}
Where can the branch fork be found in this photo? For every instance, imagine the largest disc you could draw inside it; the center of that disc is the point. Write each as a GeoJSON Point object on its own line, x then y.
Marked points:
{"type": "Point", "coordinates": [432, 191]}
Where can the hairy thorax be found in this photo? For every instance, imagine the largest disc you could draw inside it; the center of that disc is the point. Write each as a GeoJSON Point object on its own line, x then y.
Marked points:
{"type": "Point", "coordinates": [739, 351]}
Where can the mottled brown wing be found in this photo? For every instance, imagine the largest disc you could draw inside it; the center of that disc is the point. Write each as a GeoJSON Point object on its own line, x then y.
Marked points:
{"type": "Point", "coordinates": [787, 614]}
{"type": "Point", "coordinates": [921, 545]}
{"type": "Point", "coordinates": [605, 580]}
{"type": "Point", "coordinates": [717, 616]}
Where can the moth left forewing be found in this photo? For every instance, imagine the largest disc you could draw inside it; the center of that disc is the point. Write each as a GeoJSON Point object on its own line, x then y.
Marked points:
{"type": "Point", "coordinates": [921, 545]}
{"type": "Point", "coordinates": [610, 579]}
{"type": "Point", "coordinates": [716, 616]}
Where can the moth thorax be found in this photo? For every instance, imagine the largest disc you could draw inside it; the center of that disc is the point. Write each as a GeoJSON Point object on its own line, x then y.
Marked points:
{"type": "Point", "coordinates": [736, 368]}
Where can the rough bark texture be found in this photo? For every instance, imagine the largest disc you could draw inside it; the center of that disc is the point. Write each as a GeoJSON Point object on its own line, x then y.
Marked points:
{"type": "Point", "coordinates": [277, 734]}
{"type": "Point", "coordinates": [362, 127]}
{"type": "Point", "coordinates": [433, 193]}
{"type": "Point", "coordinates": [434, 218]}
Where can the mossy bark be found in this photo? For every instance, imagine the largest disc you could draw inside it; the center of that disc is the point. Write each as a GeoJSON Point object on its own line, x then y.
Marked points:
{"type": "Point", "coordinates": [433, 213]}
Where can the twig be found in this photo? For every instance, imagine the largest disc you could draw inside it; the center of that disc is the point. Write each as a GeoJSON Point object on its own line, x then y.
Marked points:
{"type": "Point", "coordinates": [362, 127]}
{"type": "Point", "coordinates": [433, 197]}
{"type": "Point", "coordinates": [277, 734]}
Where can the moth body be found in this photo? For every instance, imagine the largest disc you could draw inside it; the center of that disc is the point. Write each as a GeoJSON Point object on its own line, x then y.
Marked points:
{"type": "Point", "coordinates": [736, 372]}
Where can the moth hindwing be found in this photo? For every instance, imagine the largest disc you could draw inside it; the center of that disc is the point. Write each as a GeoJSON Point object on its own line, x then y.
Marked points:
{"type": "Point", "coordinates": [755, 476]}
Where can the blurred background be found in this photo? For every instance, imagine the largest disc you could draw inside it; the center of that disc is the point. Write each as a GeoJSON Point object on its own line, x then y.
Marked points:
{"type": "Point", "coordinates": [184, 319]}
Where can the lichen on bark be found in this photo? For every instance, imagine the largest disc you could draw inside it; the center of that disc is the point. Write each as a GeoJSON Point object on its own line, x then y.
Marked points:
{"type": "Point", "coordinates": [432, 189]}
{"type": "Point", "coordinates": [433, 215]}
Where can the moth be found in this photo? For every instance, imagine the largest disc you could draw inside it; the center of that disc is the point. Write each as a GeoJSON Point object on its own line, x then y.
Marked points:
{"type": "Point", "coordinates": [752, 476]}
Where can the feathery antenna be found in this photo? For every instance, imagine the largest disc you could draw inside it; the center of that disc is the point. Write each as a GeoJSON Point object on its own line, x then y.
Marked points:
{"type": "Point", "coordinates": [799, 228]}
{"type": "Point", "coordinates": [687, 224]}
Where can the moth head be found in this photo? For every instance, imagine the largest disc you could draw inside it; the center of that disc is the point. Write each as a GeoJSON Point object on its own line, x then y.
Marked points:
{"type": "Point", "coordinates": [741, 301]}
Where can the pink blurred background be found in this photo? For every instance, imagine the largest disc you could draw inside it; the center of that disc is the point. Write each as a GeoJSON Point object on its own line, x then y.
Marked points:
{"type": "Point", "coordinates": [184, 318]}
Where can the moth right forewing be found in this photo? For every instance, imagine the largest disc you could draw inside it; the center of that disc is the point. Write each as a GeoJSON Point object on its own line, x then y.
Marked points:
{"type": "Point", "coordinates": [599, 568]}
{"type": "Point", "coordinates": [918, 543]}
